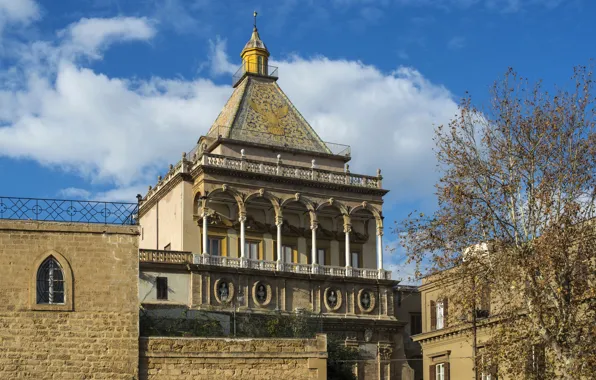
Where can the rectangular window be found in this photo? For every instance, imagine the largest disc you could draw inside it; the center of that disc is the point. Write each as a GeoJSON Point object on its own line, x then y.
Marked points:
{"type": "Point", "coordinates": [214, 246]}
{"type": "Point", "coordinates": [288, 253]}
{"type": "Point", "coordinates": [440, 371]}
{"type": "Point", "coordinates": [355, 260]}
{"type": "Point", "coordinates": [162, 288]}
{"type": "Point", "coordinates": [321, 257]}
{"type": "Point", "coordinates": [251, 250]}
{"type": "Point", "coordinates": [260, 64]}
{"type": "Point", "coordinates": [415, 324]}
{"type": "Point", "coordinates": [440, 315]}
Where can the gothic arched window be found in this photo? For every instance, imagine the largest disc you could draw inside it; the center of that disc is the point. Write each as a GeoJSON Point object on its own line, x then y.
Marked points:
{"type": "Point", "coordinates": [50, 282]}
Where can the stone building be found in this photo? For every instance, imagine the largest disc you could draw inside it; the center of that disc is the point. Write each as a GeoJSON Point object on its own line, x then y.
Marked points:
{"type": "Point", "coordinates": [263, 216]}
{"type": "Point", "coordinates": [68, 305]}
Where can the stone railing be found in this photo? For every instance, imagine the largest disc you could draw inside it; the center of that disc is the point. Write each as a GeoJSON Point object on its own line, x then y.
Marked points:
{"type": "Point", "coordinates": [158, 256]}
{"type": "Point", "coordinates": [328, 270]}
{"type": "Point", "coordinates": [180, 257]}
{"type": "Point", "coordinates": [291, 171]}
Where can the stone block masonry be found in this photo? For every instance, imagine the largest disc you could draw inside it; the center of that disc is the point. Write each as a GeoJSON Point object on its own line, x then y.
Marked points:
{"type": "Point", "coordinates": [94, 335]}
{"type": "Point", "coordinates": [220, 358]}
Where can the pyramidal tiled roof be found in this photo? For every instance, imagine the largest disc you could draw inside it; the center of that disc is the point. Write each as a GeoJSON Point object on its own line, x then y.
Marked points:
{"type": "Point", "coordinates": [258, 111]}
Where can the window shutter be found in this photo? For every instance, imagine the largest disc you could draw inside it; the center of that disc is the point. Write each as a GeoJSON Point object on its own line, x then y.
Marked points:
{"type": "Point", "coordinates": [433, 316]}
{"type": "Point", "coordinates": [446, 366]}
{"type": "Point", "coordinates": [445, 312]}
{"type": "Point", "coordinates": [433, 372]}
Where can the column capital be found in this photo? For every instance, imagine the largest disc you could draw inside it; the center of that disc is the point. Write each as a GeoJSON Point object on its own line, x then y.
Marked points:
{"type": "Point", "coordinates": [314, 225]}
{"type": "Point", "coordinates": [242, 217]}
{"type": "Point", "coordinates": [279, 220]}
{"type": "Point", "coordinates": [347, 228]}
{"type": "Point", "coordinates": [379, 231]}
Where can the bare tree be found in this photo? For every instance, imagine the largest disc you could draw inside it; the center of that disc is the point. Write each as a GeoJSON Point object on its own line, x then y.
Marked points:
{"type": "Point", "coordinates": [516, 208]}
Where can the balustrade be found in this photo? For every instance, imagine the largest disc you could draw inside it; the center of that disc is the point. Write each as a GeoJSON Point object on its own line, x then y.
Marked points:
{"type": "Point", "coordinates": [180, 257]}
{"type": "Point", "coordinates": [291, 171]}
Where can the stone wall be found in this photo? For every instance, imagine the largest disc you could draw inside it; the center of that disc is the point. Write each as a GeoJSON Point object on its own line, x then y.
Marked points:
{"type": "Point", "coordinates": [220, 358]}
{"type": "Point", "coordinates": [94, 334]}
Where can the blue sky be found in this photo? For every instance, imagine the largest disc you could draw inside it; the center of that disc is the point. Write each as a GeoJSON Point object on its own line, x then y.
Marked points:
{"type": "Point", "coordinates": [97, 97]}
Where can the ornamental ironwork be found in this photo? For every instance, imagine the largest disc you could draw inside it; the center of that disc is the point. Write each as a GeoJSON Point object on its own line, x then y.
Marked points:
{"type": "Point", "coordinates": [74, 211]}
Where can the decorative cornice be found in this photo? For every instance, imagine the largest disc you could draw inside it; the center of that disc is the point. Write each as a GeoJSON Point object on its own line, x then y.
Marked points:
{"type": "Point", "coordinates": [146, 205]}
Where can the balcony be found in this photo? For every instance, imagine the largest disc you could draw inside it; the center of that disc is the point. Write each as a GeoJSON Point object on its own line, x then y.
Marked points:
{"type": "Point", "coordinates": [290, 171]}
{"type": "Point", "coordinates": [180, 257]}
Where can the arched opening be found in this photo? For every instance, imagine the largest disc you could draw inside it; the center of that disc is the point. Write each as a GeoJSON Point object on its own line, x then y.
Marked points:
{"type": "Point", "coordinates": [331, 234]}
{"type": "Point", "coordinates": [363, 245]}
{"type": "Point", "coordinates": [260, 228]}
{"type": "Point", "coordinates": [222, 225]}
{"type": "Point", "coordinates": [50, 283]}
{"type": "Point", "coordinates": [296, 232]}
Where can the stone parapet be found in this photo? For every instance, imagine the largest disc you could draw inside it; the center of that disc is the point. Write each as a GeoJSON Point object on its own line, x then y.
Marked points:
{"type": "Point", "coordinates": [223, 358]}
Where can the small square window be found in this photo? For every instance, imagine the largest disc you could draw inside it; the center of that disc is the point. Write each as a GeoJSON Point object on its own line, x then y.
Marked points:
{"type": "Point", "coordinates": [162, 288]}
{"type": "Point", "coordinates": [415, 324]}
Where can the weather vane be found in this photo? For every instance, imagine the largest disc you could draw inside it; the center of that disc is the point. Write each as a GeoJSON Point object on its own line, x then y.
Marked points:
{"type": "Point", "coordinates": [255, 14]}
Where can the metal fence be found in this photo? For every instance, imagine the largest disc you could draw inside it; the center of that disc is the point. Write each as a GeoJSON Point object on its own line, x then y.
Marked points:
{"type": "Point", "coordinates": [254, 67]}
{"type": "Point", "coordinates": [62, 210]}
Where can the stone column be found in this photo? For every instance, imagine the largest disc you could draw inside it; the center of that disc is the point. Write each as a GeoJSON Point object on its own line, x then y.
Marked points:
{"type": "Point", "coordinates": [347, 230]}
{"type": "Point", "coordinates": [380, 251]}
{"type": "Point", "coordinates": [384, 354]}
{"type": "Point", "coordinates": [315, 265]}
{"type": "Point", "coordinates": [205, 237]}
{"type": "Point", "coordinates": [242, 218]}
{"type": "Point", "coordinates": [280, 258]}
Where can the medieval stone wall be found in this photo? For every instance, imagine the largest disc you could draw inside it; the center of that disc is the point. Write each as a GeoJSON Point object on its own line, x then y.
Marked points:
{"type": "Point", "coordinates": [220, 358]}
{"type": "Point", "coordinates": [94, 335]}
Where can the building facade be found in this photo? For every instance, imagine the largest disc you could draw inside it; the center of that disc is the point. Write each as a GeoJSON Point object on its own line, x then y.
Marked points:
{"type": "Point", "coordinates": [68, 304]}
{"type": "Point", "coordinates": [263, 216]}
{"type": "Point", "coordinates": [448, 335]}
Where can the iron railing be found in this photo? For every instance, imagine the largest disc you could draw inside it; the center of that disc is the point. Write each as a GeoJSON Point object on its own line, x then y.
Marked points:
{"type": "Point", "coordinates": [312, 145]}
{"type": "Point", "coordinates": [254, 68]}
{"type": "Point", "coordinates": [74, 211]}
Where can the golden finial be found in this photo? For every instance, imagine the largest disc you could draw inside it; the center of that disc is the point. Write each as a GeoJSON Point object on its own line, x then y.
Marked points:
{"type": "Point", "coordinates": [255, 16]}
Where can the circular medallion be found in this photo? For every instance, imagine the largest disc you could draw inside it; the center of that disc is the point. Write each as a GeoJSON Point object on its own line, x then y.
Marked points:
{"type": "Point", "coordinates": [223, 290]}
{"type": "Point", "coordinates": [261, 293]}
{"type": "Point", "coordinates": [333, 299]}
{"type": "Point", "coordinates": [366, 300]}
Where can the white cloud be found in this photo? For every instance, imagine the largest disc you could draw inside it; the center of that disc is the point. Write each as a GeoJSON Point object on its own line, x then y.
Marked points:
{"type": "Point", "coordinates": [218, 58]}
{"type": "Point", "coordinates": [74, 193]}
{"type": "Point", "coordinates": [89, 35]}
{"type": "Point", "coordinates": [456, 43]}
{"type": "Point", "coordinates": [18, 11]}
{"type": "Point", "coordinates": [124, 132]}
